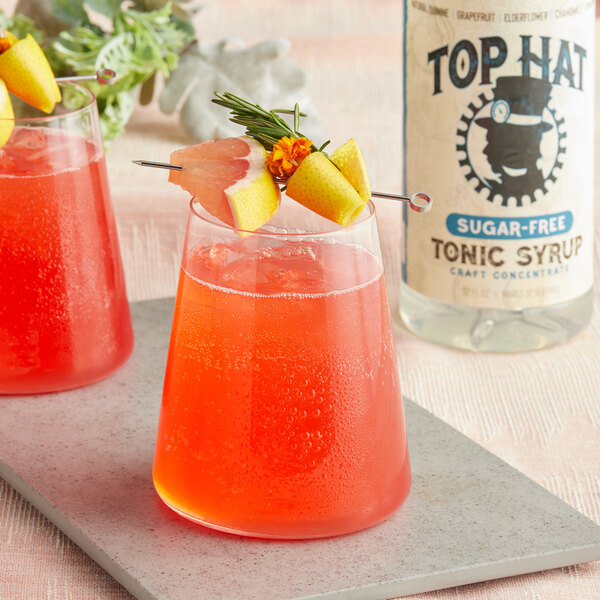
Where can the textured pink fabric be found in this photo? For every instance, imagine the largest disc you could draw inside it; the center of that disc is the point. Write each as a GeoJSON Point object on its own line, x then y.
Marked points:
{"type": "Point", "coordinates": [538, 411]}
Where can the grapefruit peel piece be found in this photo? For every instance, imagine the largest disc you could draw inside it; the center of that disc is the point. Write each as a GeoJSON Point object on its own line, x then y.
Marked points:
{"type": "Point", "coordinates": [28, 75]}
{"type": "Point", "coordinates": [230, 179]}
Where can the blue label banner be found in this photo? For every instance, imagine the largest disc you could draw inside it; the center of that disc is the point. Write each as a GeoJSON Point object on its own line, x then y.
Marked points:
{"type": "Point", "coordinates": [505, 228]}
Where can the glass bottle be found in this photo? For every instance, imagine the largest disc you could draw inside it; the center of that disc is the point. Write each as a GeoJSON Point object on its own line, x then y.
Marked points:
{"type": "Point", "coordinates": [499, 127]}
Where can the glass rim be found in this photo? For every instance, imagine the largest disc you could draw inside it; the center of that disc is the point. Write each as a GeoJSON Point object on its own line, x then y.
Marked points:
{"type": "Point", "coordinates": [91, 101]}
{"type": "Point", "coordinates": [261, 232]}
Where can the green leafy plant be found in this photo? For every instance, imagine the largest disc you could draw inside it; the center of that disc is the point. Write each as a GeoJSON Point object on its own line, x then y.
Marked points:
{"type": "Point", "coordinates": [140, 39]}
{"type": "Point", "coordinates": [143, 38]}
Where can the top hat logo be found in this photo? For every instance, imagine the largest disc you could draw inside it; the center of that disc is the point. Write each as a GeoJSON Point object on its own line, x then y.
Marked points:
{"type": "Point", "coordinates": [516, 148]}
{"type": "Point", "coordinates": [518, 101]}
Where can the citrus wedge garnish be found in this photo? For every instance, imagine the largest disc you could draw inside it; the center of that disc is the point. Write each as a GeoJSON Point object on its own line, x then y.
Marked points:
{"type": "Point", "coordinates": [320, 186]}
{"type": "Point", "coordinates": [336, 188]}
{"type": "Point", "coordinates": [349, 160]}
{"type": "Point", "coordinates": [7, 116]}
{"type": "Point", "coordinates": [27, 74]}
{"type": "Point", "coordinates": [230, 179]}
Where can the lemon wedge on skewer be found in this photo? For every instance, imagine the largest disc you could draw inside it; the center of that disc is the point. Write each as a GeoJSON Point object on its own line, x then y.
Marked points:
{"type": "Point", "coordinates": [320, 186]}
{"type": "Point", "coordinates": [336, 188]}
{"type": "Point", "coordinates": [27, 74]}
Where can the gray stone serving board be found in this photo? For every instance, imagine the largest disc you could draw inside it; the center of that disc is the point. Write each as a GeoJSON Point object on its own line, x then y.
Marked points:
{"type": "Point", "coordinates": [84, 457]}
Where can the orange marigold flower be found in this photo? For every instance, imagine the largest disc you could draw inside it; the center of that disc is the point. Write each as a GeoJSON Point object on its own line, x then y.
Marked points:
{"type": "Point", "coordinates": [287, 154]}
{"type": "Point", "coordinates": [7, 40]}
{"type": "Point", "coordinates": [4, 43]}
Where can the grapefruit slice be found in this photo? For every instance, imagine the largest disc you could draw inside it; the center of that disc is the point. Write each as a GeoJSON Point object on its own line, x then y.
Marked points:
{"type": "Point", "coordinates": [27, 74]}
{"type": "Point", "coordinates": [349, 160]}
{"type": "Point", "coordinates": [230, 179]}
{"type": "Point", "coordinates": [320, 186]}
{"type": "Point", "coordinates": [7, 116]}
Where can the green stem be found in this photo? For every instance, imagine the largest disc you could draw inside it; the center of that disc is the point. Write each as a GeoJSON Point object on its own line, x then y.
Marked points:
{"type": "Point", "coordinates": [267, 127]}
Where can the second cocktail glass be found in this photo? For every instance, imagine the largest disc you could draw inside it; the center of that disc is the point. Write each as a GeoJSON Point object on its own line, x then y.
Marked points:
{"type": "Point", "coordinates": [282, 414]}
{"type": "Point", "coordinates": [64, 315]}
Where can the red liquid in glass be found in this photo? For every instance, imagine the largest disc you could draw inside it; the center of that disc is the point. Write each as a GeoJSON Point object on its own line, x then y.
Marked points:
{"type": "Point", "coordinates": [281, 412]}
{"type": "Point", "coordinates": [64, 316]}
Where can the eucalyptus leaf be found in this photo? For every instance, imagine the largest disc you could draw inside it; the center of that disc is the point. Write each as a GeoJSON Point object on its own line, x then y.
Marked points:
{"type": "Point", "coordinates": [262, 73]}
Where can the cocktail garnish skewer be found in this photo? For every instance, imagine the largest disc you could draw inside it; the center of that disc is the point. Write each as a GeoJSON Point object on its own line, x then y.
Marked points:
{"type": "Point", "coordinates": [419, 201]}
{"type": "Point", "coordinates": [103, 76]}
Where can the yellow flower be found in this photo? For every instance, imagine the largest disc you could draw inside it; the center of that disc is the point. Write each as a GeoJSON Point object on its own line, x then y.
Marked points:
{"type": "Point", "coordinates": [287, 154]}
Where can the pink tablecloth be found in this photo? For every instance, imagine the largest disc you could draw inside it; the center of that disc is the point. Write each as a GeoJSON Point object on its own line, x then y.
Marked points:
{"type": "Point", "coordinates": [540, 411]}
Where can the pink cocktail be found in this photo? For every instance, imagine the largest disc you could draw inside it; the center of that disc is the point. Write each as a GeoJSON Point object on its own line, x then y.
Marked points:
{"type": "Point", "coordinates": [64, 316]}
{"type": "Point", "coordinates": [282, 414]}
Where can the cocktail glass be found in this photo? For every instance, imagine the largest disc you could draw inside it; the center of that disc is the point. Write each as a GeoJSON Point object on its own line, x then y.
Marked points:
{"type": "Point", "coordinates": [64, 315]}
{"type": "Point", "coordinates": [282, 415]}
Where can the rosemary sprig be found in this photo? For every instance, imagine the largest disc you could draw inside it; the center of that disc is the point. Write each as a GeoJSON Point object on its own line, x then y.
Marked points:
{"type": "Point", "coordinates": [266, 127]}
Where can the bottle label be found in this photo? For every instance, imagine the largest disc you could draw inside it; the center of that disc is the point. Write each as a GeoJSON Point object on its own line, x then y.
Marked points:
{"type": "Point", "coordinates": [499, 130]}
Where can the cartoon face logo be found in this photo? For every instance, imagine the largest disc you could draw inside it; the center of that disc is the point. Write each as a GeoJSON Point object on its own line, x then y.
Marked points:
{"type": "Point", "coordinates": [512, 144]}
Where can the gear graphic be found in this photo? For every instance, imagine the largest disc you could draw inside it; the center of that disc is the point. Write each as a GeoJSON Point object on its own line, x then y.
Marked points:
{"type": "Point", "coordinates": [483, 185]}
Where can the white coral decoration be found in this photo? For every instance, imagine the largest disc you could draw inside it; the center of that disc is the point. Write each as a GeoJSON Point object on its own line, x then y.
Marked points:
{"type": "Point", "coordinates": [261, 74]}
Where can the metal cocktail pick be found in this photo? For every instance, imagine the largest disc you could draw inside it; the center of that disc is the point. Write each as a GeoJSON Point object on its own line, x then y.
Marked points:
{"type": "Point", "coordinates": [103, 76]}
{"type": "Point", "coordinates": [419, 201]}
